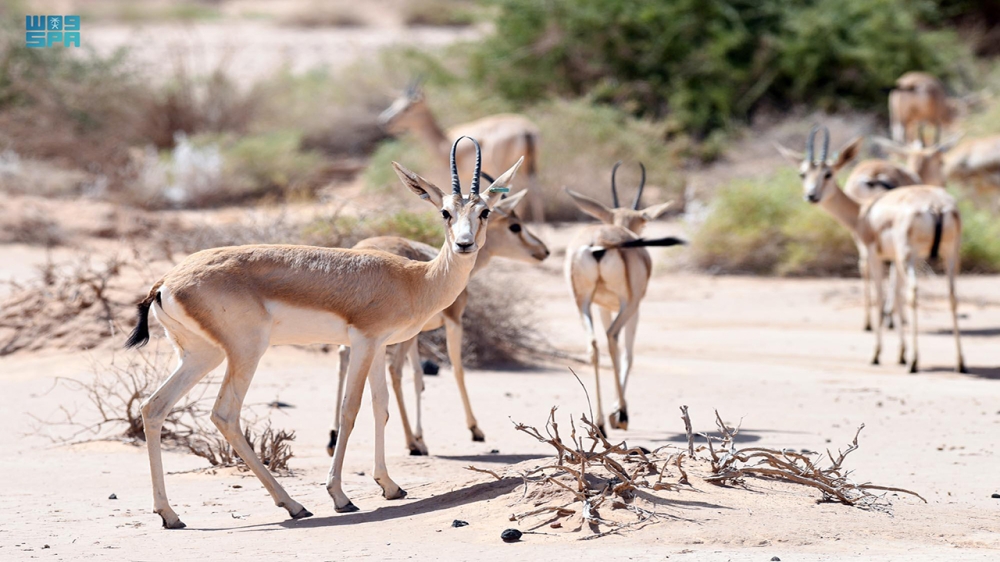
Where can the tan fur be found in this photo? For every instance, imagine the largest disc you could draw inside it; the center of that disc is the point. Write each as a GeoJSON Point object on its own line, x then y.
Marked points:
{"type": "Point", "coordinates": [501, 241]}
{"type": "Point", "coordinates": [504, 138]}
{"type": "Point", "coordinates": [870, 177]}
{"type": "Point", "coordinates": [233, 303]}
{"type": "Point", "coordinates": [974, 160]}
{"type": "Point", "coordinates": [616, 283]}
{"type": "Point", "coordinates": [918, 98]}
{"type": "Point", "coordinates": [897, 226]}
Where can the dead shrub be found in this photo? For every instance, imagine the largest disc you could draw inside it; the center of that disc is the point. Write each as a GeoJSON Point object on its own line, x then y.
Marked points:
{"type": "Point", "coordinates": [273, 448]}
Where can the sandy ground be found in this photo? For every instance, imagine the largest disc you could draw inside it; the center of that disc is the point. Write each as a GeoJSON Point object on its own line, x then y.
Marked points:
{"type": "Point", "coordinates": [787, 357]}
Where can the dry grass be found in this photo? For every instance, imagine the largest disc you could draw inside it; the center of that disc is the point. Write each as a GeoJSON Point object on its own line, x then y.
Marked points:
{"type": "Point", "coordinates": [438, 13]}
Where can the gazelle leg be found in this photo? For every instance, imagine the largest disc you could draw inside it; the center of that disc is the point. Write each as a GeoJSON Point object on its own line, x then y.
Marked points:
{"type": "Point", "coordinates": [892, 296]}
{"type": "Point", "coordinates": [345, 359]}
{"type": "Point", "coordinates": [619, 417]}
{"type": "Point", "coordinates": [911, 289]}
{"type": "Point", "coordinates": [866, 290]}
{"type": "Point", "coordinates": [418, 386]}
{"type": "Point", "coordinates": [896, 280]}
{"type": "Point", "coordinates": [380, 408]}
{"type": "Point", "coordinates": [630, 329]}
{"type": "Point", "coordinates": [453, 337]}
{"type": "Point", "coordinates": [197, 359]}
{"type": "Point", "coordinates": [583, 302]}
{"type": "Point", "coordinates": [397, 356]}
{"type": "Point", "coordinates": [951, 265]}
{"type": "Point", "coordinates": [242, 363]}
{"type": "Point", "coordinates": [363, 351]}
{"type": "Point", "coordinates": [877, 269]}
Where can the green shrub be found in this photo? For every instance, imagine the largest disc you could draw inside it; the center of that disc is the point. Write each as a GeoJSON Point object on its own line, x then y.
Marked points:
{"type": "Point", "coordinates": [980, 238]}
{"type": "Point", "coordinates": [706, 63]}
{"type": "Point", "coordinates": [763, 226]}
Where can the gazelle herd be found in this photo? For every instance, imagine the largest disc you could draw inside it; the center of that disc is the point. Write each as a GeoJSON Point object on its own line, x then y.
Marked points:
{"type": "Point", "coordinates": [374, 299]}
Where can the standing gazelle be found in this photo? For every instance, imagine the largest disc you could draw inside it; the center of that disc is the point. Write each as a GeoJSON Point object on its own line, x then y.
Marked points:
{"type": "Point", "coordinates": [607, 265]}
{"type": "Point", "coordinates": [507, 237]}
{"type": "Point", "coordinates": [233, 303]}
{"type": "Point", "coordinates": [916, 99]}
{"type": "Point", "coordinates": [902, 226]}
{"type": "Point", "coordinates": [504, 137]}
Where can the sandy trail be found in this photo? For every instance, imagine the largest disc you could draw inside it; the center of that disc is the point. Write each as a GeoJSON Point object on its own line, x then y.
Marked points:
{"type": "Point", "coordinates": [785, 356]}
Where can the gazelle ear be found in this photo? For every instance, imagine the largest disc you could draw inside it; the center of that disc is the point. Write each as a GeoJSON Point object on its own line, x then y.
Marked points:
{"type": "Point", "coordinates": [507, 205]}
{"type": "Point", "coordinates": [423, 188]}
{"type": "Point", "coordinates": [950, 142]}
{"type": "Point", "coordinates": [792, 155]}
{"type": "Point", "coordinates": [653, 212]}
{"type": "Point", "coordinates": [592, 207]}
{"type": "Point", "coordinates": [848, 152]}
{"type": "Point", "coordinates": [501, 185]}
{"type": "Point", "coordinates": [890, 145]}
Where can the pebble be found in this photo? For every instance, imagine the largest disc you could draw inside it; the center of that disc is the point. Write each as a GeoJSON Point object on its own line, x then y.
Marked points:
{"type": "Point", "coordinates": [459, 523]}
{"type": "Point", "coordinates": [113, 497]}
{"type": "Point", "coordinates": [995, 496]}
{"type": "Point", "coordinates": [511, 535]}
{"type": "Point", "coordinates": [775, 559]}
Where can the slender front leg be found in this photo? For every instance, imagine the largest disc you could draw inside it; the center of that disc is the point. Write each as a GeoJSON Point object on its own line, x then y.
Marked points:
{"type": "Point", "coordinates": [877, 270]}
{"type": "Point", "coordinates": [453, 336]}
{"type": "Point", "coordinates": [418, 387]}
{"type": "Point", "coordinates": [380, 408]}
{"type": "Point", "coordinates": [195, 362]}
{"type": "Point", "coordinates": [345, 359]}
{"type": "Point", "coordinates": [363, 351]}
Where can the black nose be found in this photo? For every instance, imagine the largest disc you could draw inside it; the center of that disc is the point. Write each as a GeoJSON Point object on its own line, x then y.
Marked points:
{"type": "Point", "coordinates": [812, 198]}
{"type": "Point", "coordinates": [464, 246]}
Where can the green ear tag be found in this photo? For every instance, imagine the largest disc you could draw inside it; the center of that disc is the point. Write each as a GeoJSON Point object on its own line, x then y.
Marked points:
{"type": "Point", "coordinates": [499, 190]}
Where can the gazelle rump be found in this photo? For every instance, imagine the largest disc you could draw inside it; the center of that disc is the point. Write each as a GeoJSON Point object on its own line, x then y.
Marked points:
{"type": "Point", "coordinates": [504, 138]}
{"type": "Point", "coordinates": [608, 265]}
{"type": "Point", "coordinates": [902, 226]}
{"type": "Point", "coordinates": [507, 237]}
{"type": "Point", "coordinates": [233, 303]}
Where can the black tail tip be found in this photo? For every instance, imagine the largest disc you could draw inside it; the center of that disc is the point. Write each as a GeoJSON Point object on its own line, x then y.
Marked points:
{"type": "Point", "coordinates": [140, 334]}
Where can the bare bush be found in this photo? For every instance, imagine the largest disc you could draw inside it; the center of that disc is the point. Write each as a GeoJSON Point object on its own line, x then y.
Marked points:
{"type": "Point", "coordinates": [610, 487]}
{"type": "Point", "coordinates": [273, 448]}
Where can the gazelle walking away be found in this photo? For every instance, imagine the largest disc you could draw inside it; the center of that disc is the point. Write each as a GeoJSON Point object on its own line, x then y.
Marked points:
{"type": "Point", "coordinates": [233, 303]}
{"type": "Point", "coordinates": [608, 265]}
{"type": "Point", "coordinates": [918, 98]}
{"type": "Point", "coordinates": [504, 138]}
{"type": "Point", "coordinates": [506, 237]}
{"type": "Point", "coordinates": [903, 226]}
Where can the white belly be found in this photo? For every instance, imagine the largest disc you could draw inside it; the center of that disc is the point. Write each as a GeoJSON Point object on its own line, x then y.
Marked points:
{"type": "Point", "coordinates": [292, 325]}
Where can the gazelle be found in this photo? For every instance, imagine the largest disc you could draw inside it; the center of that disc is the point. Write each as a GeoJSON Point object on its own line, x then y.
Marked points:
{"type": "Point", "coordinates": [504, 138]}
{"type": "Point", "coordinates": [902, 226]}
{"type": "Point", "coordinates": [607, 265]}
{"type": "Point", "coordinates": [233, 303]}
{"type": "Point", "coordinates": [868, 180]}
{"type": "Point", "coordinates": [918, 98]}
{"type": "Point", "coordinates": [975, 161]}
{"type": "Point", "coordinates": [506, 237]}
{"type": "Point", "coordinates": [926, 162]}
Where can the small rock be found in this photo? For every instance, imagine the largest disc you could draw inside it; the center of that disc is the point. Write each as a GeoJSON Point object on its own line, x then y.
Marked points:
{"type": "Point", "coordinates": [237, 486]}
{"type": "Point", "coordinates": [44, 546]}
{"type": "Point", "coordinates": [556, 525]}
{"type": "Point", "coordinates": [113, 497]}
{"type": "Point", "coordinates": [511, 535]}
{"type": "Point", "coordinates": [995, 496]}
{"type": "Point", "coordinates": [494, 451]}
{"type": "Point", "coordinates": [459, 523]}
{"type": "Point", "coordinates": [429, 367]}
{"type": "Point", "coordinates": [775, 559]}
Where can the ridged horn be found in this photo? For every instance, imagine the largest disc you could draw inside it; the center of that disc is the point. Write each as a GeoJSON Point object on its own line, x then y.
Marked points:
{"type": "Point", "coordinates": [642, 183]}
{"type": "Point", "coordinates": [614, 192]}
{"type": "Point", "coordinates": [826, 145]}
{"type": "Point", "coordinates": [811, 143]}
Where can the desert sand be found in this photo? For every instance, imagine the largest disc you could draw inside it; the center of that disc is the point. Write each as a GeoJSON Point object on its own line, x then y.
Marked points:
{"type": "Point", "coordinates": [786, 358]}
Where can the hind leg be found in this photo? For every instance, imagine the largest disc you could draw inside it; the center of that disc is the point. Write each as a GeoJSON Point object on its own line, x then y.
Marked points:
{"type": "Point", "coordinates": [242, 364]}
{"type": "Point", "coordinates": [453, 337]}
{"type": "Point", "coordinates": [397, 357]}
{"type": "Point", "coordinates": [345, 359]}
{"type": "Point", "coordinates": [951, 267]}
{"type": "Point", "coordinates": [197, 358]}
{"type": "Point", "coordinates": [418, 389]}
{"type": "Point", "coordinates": [619, 417]}
{"type": "Point", "coordinates": [911, 295]}
{"type": "Point", "coordinates": [877, 269]}
{"type": "Point", "coordinates": [380, 409]}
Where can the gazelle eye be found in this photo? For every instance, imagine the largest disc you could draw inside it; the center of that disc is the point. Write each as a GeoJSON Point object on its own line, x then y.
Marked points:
{"type": "Point", "coordinates": [446, 215]}
{"type": "Point", "coordinates": [485, 214]}
{"type": "Point", "coordinates": [515, 228]}
{"type": "Point", "coordinates": [828, 175]}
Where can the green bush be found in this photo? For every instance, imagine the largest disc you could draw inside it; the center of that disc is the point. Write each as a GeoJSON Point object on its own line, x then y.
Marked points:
{"type": "Point", "coordinates": [980, 238]}
{"type": "Point", "coordinates": [763, 226]}
{"type": "Point", "coordinates": [705, 63]}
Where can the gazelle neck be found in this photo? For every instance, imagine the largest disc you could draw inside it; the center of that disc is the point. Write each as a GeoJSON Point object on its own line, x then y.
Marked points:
{"type": "Point", "coordinates": [448, 273]}
{"type": "Point", "coordinates": [428, 131]}
{"type": "Point", "coordinates": [842, 207]}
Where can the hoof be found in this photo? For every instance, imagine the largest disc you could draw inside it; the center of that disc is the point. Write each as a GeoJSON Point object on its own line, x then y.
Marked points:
{"type": "Point", "coordinates": [875, 360]}
{"type": "Point", "coordinates": [176, 524]}
{"type": "Point", "coordinates": [902, 360]}
{"type": "Point", "coordinates": [332, 445]}
{"type": "Point", "coordinates": [302, 514]}
{"type": "Point", "coordinates": [603, 431]}
{"type": "Point", "coordinates": [961, 369]}
{"type": "Point", "coordinates": [349, 508]}
{"type": "Point", "coordinates": [400, 494]}
{"type": "Point", "coordinates": [477, 434]}
{"type": "Point", "coordinates": [868, 327]}
{"type": "Point", "coordinates": [416, 452]}
{"type": "Point", "coordinates": [913, 367]}
{"type": "Point", "coordinates": [619, 420]}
